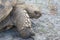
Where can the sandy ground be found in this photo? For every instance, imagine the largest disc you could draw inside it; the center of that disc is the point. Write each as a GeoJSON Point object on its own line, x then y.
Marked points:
{"type": "Point", "coordinates": [47, 27]}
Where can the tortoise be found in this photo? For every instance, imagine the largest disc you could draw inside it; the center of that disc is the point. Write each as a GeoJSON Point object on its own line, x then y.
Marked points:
{"type": "Point", "coordinates": [13, 12]}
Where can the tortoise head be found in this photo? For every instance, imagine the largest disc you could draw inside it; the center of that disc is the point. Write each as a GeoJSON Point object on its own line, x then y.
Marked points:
{"type": "Point", "coordinates": [33, 11]}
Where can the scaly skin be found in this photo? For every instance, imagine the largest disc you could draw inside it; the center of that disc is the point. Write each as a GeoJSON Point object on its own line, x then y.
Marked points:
{"type": "Point", "coordinates": [18, 14]}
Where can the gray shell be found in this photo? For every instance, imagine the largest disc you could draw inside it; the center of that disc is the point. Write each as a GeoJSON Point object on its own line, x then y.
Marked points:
{"type": "Point", "coordinates": [4, 12]}
{"type": "Point", "coordinates": [5, 9]}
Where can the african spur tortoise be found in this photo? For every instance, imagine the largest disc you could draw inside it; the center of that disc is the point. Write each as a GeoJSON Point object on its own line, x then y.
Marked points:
{"type": "Point", "coordinates": [13, 12]}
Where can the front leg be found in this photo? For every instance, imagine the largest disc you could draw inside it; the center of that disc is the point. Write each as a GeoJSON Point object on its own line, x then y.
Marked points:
{"type": "Point", "coordinates": [22, 22]}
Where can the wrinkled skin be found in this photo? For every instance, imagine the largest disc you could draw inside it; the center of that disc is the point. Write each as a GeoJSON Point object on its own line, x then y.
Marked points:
{"type": "Point", "coordinates": [22, 22]}
{"type": "Point", "coordinates": [19, 16]}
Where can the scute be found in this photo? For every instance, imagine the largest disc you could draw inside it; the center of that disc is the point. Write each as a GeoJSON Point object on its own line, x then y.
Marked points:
{"type": "Point", "coordinates": [4, 10]}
